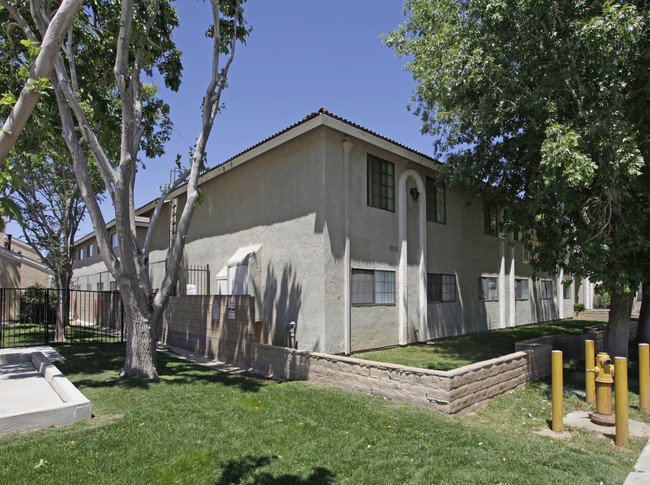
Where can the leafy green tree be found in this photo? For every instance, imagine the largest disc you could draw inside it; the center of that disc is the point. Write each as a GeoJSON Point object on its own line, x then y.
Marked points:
{"type": "Point", "coordinates": [543, 104]}
{"type": "Point", "coordinates": [49, 199]}
{"type": "Point", "coordinates": [44, 56]}
{"type": "Point", "coordinates": [137, 35]}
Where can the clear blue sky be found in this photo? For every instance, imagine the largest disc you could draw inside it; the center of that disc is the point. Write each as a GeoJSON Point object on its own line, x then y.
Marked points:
{"type": "Point", "coordinates": [301, 55]}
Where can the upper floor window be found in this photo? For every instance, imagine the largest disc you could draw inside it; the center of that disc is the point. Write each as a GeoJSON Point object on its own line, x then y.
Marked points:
{"type": "Point", "coordinates": [91, 250]}
{"type": "Point", "coordinates": [488, 290]}
{"type": "Point", "coordinates": [114, 240]}
{"type": "Point", "coordinates": [490, 219]}
{"type": "Point", "coordinates": [441, 287]}
{"type": "Point", "coordinates": [81, 254]}
{"type": "Point", "coordinates": [373, 287]}
{"type": "Point", "coordinates": [381, 183]}
{"type": "Point", "coordinates": [436, 203]}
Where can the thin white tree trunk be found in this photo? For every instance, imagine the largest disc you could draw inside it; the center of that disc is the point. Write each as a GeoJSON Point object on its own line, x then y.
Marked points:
{"type": "Point", "coordinates": [42, 68]}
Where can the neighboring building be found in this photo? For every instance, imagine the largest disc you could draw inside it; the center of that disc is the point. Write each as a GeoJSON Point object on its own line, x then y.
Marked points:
{"type": "Point", "coordinates": [88, 269]}
{"type": "Point", "coordinates": [348, 234]}
{"type": "Point", "coordinates": [20, 265]}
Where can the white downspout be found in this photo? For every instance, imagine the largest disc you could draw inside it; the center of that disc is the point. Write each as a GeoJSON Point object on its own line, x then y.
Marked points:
{"type": "Point", "coordinates": [502, 279]}
{"type": "Point", "coordinates": [560, 295]}
{"type": "Point", "coordinates": [347, 318]}
{"type": "Point", "coordinates": [511, 279]}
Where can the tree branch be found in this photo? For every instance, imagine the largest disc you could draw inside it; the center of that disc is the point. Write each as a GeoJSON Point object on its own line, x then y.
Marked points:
{"type": "Point", "coordinates": [42, 67]}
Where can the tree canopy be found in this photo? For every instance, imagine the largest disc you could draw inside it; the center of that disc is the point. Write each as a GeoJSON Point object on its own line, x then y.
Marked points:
{"type": "Point", "coordinates": [542, 105]}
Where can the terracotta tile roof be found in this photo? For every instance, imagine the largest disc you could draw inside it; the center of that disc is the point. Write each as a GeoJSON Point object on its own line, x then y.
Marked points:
{"type": "Point", "coordinates": [324, 112]}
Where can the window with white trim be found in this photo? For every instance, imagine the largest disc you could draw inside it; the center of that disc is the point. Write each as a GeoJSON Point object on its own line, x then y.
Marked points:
{"type": "Point", "coordinates": [373, 287]}
{"type": "Point", "coordinates": [381, 183]}
{"type": "Point", "coordinates": [90, 250]}
{"type": "Point", "coordinates": [488, 289]}
{"type": "Point", "coordinates": [114, 240]}
{"type": "Point", "coordinates": [441, 287]}
{"type": "Point", "coordinates": [546, 289]}
{"type": "Point", "coordinates": [81, 254]}
{"type": "Point", "coordinates": [566, 291]}
{"type": "Point", "coordinates": [521, 289]}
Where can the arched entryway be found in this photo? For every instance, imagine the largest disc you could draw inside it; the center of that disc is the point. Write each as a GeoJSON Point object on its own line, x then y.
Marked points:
{"type": "Point", "coordinates": [412, 271]}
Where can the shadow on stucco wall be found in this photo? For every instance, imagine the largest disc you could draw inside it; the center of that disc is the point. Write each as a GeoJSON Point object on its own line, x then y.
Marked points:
{"type": "Point", "coordinates": [281, 299]}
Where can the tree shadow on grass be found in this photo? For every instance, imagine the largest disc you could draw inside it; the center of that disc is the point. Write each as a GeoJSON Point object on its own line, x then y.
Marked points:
{"type": "Point", "coordinates": [236, 471]}
{"type": "Point", "coordinates": [87, 362]}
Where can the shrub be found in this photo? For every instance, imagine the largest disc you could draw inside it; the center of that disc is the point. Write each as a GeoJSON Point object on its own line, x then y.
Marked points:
{"type": "Point", "coordinates": [601, 300]}
{"type": "Point", "coordinates": [32, 305]}
{"type": "Point", "coordinates": [578, 307]}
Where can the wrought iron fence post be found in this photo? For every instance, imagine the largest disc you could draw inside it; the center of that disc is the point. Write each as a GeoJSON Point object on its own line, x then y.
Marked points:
{"type": "Point", "coordinates": [47, 316]}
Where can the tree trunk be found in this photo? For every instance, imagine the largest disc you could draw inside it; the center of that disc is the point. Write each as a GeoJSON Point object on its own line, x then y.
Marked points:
{"type": "Point", "coordinates": [62, 307]}
{"type": "Point", "coordinates": [618, 328]}
{"type": "Point", "coordinates": [141, 324]}
{"type": "Point", "coordinates": [643, 333]}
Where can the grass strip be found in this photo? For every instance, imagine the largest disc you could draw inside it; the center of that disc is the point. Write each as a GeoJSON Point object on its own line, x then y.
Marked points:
{"type": "Point", "coordinates": [457, 352]}
{"type": "Point", "coordinates": [197, 425]}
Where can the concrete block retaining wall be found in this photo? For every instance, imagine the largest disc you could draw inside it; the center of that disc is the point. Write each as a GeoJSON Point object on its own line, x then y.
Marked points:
{"type": "Point", "coordinates": [188, 324]}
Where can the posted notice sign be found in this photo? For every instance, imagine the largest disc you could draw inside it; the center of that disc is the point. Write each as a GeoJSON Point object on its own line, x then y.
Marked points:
{"type": "Point", "coordinates": [215, 310]}
{"type": "Point", "coordinates": [231, 308]}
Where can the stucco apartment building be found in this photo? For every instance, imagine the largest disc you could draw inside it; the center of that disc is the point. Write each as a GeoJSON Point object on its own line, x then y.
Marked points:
{"type": "Point", "coordinates": [349, 235]}
{"type": "Point", "coordinates": [20, 264]}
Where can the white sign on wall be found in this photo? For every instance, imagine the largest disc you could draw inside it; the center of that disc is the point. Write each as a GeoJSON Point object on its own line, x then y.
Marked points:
{"type": "Point", "coordinates": [190, 289]}
{"type": "Point", "coordinates": [231, 308]}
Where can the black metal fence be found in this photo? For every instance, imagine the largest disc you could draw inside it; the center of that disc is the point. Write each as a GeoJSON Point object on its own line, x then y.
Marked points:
{"type": "Point", "coordinates": [28, 317]}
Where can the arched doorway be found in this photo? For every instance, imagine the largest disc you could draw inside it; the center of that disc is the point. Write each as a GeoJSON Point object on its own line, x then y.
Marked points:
{"type": "Point", "coordinates": [412, 272]}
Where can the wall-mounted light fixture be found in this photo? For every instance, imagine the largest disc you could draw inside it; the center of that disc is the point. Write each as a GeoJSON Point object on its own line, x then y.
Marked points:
{"type": "Point", "coordinates": [415, 194]}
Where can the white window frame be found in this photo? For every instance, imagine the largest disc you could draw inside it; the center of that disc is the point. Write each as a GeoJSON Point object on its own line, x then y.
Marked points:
{"type": "Point", "coordinates": [447, 287]}
{"type": "Point", "coordinates": [379, 287]}
{"type": "Point", "coordinates": [519, 287]}
{"type": "Point", "coordinates": [492, 293]}
{"type": "Point", "coordinates": [546, 289]}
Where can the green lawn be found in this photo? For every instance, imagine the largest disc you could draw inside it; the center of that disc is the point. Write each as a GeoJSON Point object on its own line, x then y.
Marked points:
{"type": "Point", "coordinates": [196, 425]}
{"type": "Point", "coordinates": [456, 352]}
{"type": "Point", "coordinates": [29, 334]}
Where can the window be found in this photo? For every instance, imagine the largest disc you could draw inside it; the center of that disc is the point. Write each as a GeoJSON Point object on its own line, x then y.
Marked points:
{"type": "Point", "coordinates": [547, 289]}
{"type": "Point", "coordinates": [90, 250]}
{"type": "Point", "coordinates": [441, 287]}
{"type": "Point", "coordinates": [113, 285]}
{"type": "Point", "coordinates": [488, 289]}
{"type": "Point", "coordinates": [381, 184]}
{"type": "Point", "coordinates": [436, 203]}
{"type": "Point", "coordinates": [490, 219]}
{"type": "Point", "coordinates": [100, 286]}
{"type": "Point", "coordinates": [521, 289]}
{"type": "Point", "coordinates": [114, 240]}
{"type": "Point", "coordinates": [566, 291]}
{"type": "Point", "coordinates": [373, 287]}
{"type": "Point", "coordinates": [81, 254]}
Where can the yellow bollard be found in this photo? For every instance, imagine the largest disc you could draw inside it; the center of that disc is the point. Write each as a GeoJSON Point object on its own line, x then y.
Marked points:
{"type": "Point", "coordinates": [590, 377]}
{"type": "Point", "coordinates": [620, 400]}
{"type": "Point", "coordinates": [558, 390]}
{"type": "Point", "coordinates": [644, 377]}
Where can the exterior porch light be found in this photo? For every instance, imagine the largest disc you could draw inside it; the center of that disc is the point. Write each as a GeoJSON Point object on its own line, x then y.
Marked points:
{"type": "Point", "coordinates": [415, 194]}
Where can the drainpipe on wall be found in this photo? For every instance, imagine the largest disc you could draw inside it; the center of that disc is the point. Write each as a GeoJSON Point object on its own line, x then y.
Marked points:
{"type": "Point", "coordinates": [511, 280]}
{"type": "Point", "coordinates": [347, 319]}
{"type": "Point", "coordinates": [502, 279]}
{"type": "Point", "coordinates": [560, 294]}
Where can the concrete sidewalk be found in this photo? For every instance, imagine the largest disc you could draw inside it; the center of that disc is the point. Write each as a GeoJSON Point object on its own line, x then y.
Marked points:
{"type": "Point", "coordinates": [35, 394]}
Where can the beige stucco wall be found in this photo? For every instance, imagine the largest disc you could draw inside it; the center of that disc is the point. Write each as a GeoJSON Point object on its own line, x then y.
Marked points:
{"type": "Point", "coordinates": [291, 200]}
{"type": "Point", "coordinates": [275, 199]}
